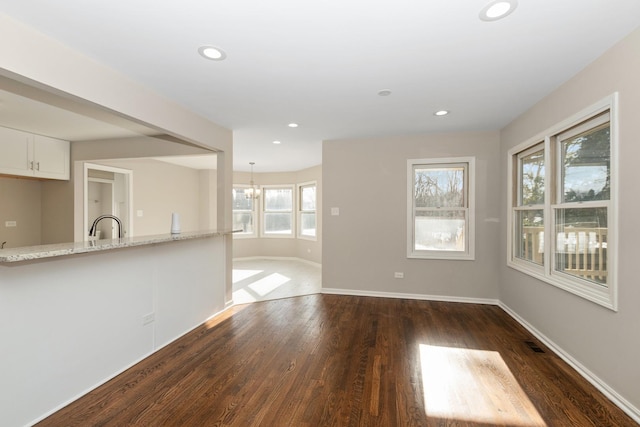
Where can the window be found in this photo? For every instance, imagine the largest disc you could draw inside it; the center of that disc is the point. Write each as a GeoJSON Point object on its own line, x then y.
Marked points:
{"type": "Point", "coordinates": [277, 211]}
{"type": "Point", "coordinates": [440, 206]}
{"type": "Point", "coordinates": [562, 222]}
{"type": "Point", "coordinates": [307, 211]}
{"type": "Point", "coordinates": [243, 213]}
{"type": "Point", "coordinates": [529, 210]}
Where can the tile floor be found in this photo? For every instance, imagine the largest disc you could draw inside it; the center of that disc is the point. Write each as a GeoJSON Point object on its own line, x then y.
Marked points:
{"type": "Point", "coordinates": [266, 279]}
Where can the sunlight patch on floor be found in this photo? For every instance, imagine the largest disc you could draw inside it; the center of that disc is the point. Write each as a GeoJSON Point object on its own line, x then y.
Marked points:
{"type": "Point", "coordinates": [242, 296]}
{"type": "Point", "coordinates": [240, 275]}
{"type": "Point", "coordinates": [475, 386]}
{"type": "Point", "coordinates": [268, 284]}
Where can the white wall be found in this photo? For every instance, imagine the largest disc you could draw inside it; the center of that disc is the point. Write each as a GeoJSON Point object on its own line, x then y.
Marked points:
{"type": "Point", "coordinates": [603, 341]}
{"type": "Point", "coordinates": [309, 250]}
{"type": "Point", "coordinates": [363, 246]}
{"type": "Point", "coordinates": [71, 323]}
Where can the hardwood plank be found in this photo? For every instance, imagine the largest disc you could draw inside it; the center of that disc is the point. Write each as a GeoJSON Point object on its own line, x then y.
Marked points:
{"type": "Point", "coordinates": [328, 360]}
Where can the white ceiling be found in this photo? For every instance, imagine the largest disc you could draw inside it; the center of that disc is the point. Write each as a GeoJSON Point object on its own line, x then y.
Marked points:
{"type": "Point", "coordinates": [321, 64]}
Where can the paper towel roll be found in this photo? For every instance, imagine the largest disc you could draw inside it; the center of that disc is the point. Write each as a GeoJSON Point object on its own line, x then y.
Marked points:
{"type": "Point", "coordinates": [175, 223]}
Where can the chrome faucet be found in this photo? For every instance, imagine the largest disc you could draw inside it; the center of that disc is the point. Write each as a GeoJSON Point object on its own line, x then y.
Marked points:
{"type": "Point", "coordinates": [94, 227]}
{"type": "Point", "coordinates": [3, 243]}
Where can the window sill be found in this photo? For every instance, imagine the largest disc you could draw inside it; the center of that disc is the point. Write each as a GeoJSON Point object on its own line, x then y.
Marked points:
{"type": "Point", "coordinates": [277, 236]}
{"type": "Point", "coordinates": [600, 295]}
{"type": "Point", "coordinates": [442, 255]}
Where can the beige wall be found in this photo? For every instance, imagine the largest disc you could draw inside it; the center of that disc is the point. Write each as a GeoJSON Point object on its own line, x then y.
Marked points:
{"type": "Point", "coordinates": [54, 204]}
{"type": "Point", "coordinates": [308, 250]}
{"type": "Point", "coordinates": [208, 181]}
{"type": "Point", "coordinates": [366, 244]}
{"type": "Point", "coordinates": [22, 202]}
{"type": "Point", "coordinates": [603, 341]}
{"type": "Point", "coordinates": [159, 189]}
{"type": "Point", "coordinates": [57, 215]}
{"type": "Point", "coordinates": [152, 195]}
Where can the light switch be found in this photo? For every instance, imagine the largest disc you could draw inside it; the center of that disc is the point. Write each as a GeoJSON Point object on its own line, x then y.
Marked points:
{"type": "Point", "coordinates": [139, 213]}
{"type": "Point", "coordinates": [10, 224]}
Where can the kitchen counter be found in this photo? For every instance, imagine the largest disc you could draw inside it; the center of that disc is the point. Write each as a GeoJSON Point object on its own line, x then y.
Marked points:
{"type": "Point", "coordinates": [27, 253]}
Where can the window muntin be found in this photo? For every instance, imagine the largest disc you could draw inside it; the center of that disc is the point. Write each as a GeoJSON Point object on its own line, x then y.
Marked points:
{"type": "Point", "coordinates": [440, 223]}
{"type": "Point", "coordinates": [243, 213]}
{"type": "Point", "coordinates": [307, 211]}
{"type": "Point", "coordinates": [277, 211]}
{"type": "Point", "coordinates": [567, 237]}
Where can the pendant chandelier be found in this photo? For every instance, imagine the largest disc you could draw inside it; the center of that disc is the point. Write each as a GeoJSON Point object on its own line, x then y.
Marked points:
{"type": "Point", "coordinates": [252, 192]}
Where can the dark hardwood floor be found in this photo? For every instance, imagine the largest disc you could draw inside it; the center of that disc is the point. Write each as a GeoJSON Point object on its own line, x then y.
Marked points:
{"type": "Point", "coordinates": [327, 360]}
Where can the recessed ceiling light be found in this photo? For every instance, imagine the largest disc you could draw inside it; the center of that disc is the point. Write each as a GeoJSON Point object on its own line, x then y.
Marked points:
{"type": "Point", "coordinates": [441, 113]}
{"type": "Point", "coordinates": [276, 142]}
{"type": "Point", "coordinates": [293, 125]}
{"type": "Point", "coordinates": [384, 92]}
{"type": "Point", "coordinates": [497, 9]}
{"type": "Point", "coordinates": [212, 52]}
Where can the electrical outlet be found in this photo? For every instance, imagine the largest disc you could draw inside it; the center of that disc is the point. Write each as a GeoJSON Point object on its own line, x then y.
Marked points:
{"type": "Point", "coordinates": [398, 275]}
{"type": "Point", "coordinates": [10, 224]}
{"type": "Point", "coordinates": [139, 213]}
{"type": "Point", "coordinates": [148, 318]}
{"type": "Point", "coordinates": [335, 211]}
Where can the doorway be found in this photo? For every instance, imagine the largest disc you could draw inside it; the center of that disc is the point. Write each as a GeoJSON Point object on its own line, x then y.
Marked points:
{"type": "Point", "coordinates": [108, 191]}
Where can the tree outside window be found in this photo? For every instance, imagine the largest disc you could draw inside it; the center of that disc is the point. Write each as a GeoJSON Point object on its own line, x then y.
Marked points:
{"type": "Point", "coordinates": [440, 208]}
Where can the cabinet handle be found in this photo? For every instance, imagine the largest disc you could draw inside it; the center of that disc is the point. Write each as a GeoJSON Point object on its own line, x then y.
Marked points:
{"type": "Point", "coordinates": [31, 165]}
{"type": "Point", "coordinates": [37, 166]}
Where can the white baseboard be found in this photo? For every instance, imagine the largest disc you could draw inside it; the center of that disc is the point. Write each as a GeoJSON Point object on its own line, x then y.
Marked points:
{"type": "Point", "coordinates": [353, 292]}
{"type": "Point", "coordinates": [278, 258]}
{"type": "Point", "coordinates": [132, 364]}
{"type": "Point", "coordinates": [609, 392]}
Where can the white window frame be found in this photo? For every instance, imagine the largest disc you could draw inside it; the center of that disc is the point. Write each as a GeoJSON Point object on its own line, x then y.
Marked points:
{"type": "Point", "coordinates": [254, 234]}
{"type": "Point", "coordinates": [533, 148]}
{"type": "Point", "coordinates": [300, 211]}
{"type": "Point", "coordinates": [263, 231]}
{"type": "Point", "coordinates": [606, 296]}
{"type": "Point", "coordinates": [469, 253]}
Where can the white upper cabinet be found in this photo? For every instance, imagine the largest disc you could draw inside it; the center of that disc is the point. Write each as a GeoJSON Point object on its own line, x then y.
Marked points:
{"type": "Point", "coordinates": [25, 154]}
{"type": "Point", "coordinates": [14, 152]}
{"type": "Point", "coordinates": [50, 157]}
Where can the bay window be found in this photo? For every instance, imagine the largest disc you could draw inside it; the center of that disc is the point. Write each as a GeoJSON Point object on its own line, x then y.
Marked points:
{"type": "Point", "coordinates": [277, 211]}
{"type": "Point", "coordinates": [307, 211]}
{"type": "Point", "coordinates": [243, 212]}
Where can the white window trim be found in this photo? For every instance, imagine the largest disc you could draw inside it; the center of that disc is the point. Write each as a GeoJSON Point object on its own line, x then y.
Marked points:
{"type": "Point", "coordinates": [300, 211]}
{"type": "Point", "coordinates": [469, 253]}
{"type": "Point", "coordinates": [263, 233]}
{"type": "Point", "coordinates": [605, 296]}
{"type": "Point", "coordinates": [253, 235]}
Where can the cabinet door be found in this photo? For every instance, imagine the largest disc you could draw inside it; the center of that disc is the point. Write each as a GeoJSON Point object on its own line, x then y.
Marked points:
{"type": "Point", "coordinates": [50, 157]}
{"type": "Point", "coordinates": [14, 152]}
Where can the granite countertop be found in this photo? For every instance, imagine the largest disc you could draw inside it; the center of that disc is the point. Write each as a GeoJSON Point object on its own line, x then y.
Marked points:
{"type": "Point", "coordinates": [64, 249]}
